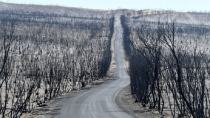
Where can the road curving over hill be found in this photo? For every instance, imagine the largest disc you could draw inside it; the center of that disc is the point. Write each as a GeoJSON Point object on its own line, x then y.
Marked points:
{"type": "Point", "coordinates": [99, 102]}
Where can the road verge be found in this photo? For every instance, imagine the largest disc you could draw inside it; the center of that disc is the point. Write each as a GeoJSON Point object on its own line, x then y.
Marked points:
{"type": "Point", "coordinates": [127, 103]}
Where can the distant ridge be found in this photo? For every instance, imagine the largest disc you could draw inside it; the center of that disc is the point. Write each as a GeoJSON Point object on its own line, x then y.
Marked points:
{"type": "Point", "coordinates": [202, 18]}
{"type": "Point", "coordinates": [60, 10]}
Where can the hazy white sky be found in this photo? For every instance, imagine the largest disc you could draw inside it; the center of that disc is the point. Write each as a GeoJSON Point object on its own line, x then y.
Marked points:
{"type": "Point", "coordinates": [183, 5]}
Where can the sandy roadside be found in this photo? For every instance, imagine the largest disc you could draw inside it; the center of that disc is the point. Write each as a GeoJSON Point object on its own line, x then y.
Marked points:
{"type": "Point", "coordinates": [127, 103]}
